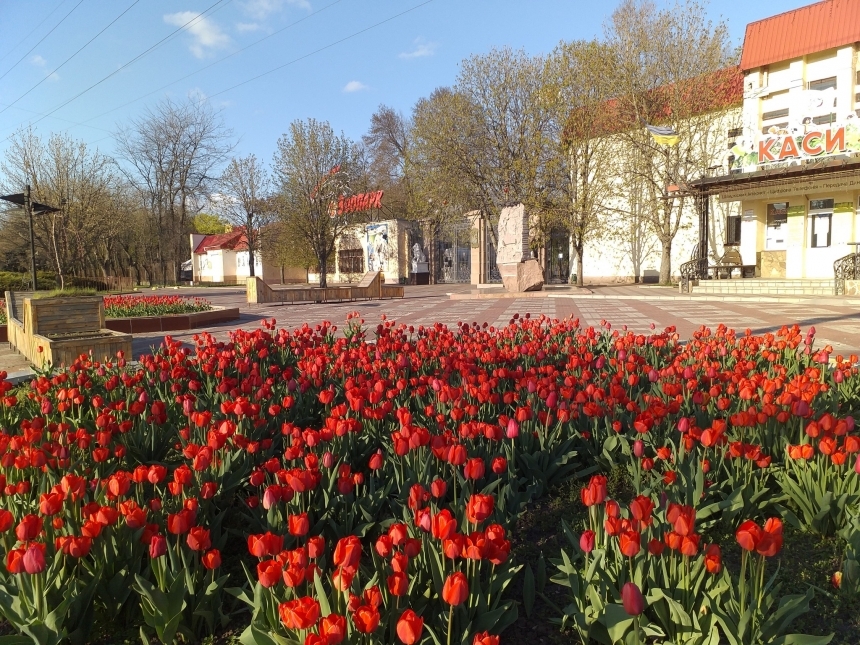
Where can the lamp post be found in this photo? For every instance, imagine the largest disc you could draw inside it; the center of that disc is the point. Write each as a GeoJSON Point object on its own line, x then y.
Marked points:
{"type": "Point", "coordinates": [30, 207]}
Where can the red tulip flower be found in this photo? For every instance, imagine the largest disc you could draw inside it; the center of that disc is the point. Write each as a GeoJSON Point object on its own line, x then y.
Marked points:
{"type": "Point", "coordinates": [409, 627]}
{"type": "Point", "coordinates": [631, 598]}
{"type": "Point", "coordinates": [34, 558]}
{"type": "Point", "coordinates": [629, 542]}
{"type": "Point", "coordinates": [301, 613]}
{"type": "Point", "coordinates": [157, 546]}
{"type": "Point", "coordinates": [479, 508]}
{"type": "Point", "coordinates": [211, 559]}
{"type": "Point", "coordinates": [595, 492]}
{"type": "Point", "coordinates": [485, 638]}
{"type": "Point", "coordinates": [586, 541]}
{"type": "Point", "coordinates": [28, 528]}
{"type": "Point", "coordinates": [456, 589]}
{"type": "Point", "coordinates": [366, 619]}
{"type": "Point", "coordinates": [198, 539]}
{"type": "Point", "coordinates": [269, 572]}
{"type": "Point", "coordinates": [748, 535]}
{"type": "Point", "coordinates": [333, 629]}
{"type": "Point", "coordinates": [298, 524]}
{"type": "Point", "coordinates": [398, 584]}
{"type": "Point", "coordinates": [347, 552]}
{"type": "Point", "coordinates": [713, 559]}
{"type": "Point", "coordinates": [444, 525]}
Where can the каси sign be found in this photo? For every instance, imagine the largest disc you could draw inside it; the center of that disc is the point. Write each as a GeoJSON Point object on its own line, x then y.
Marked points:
{"type": "Point", "coordinates": [782, 146]}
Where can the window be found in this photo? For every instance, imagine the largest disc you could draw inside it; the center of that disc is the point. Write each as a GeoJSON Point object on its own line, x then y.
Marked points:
{"type": "Point", "coordinates": [825, 120]}
{"type": "Point", "coordinates": [733, 230]}
{"type": "Point", "coordinates": [734, 133]}
{"type": "Point", "coordinates": [777, 214]}
{"type": "Point", "coordinates": [774, 128]}
{"type": "Point", "coordinates": [821, 230]}
{"type": "Point", "coordinates": [774, 114]}
{"type": "Point", "coordinates": [820, 216]}
{"type": "Point", "coordinates": [350, 260]}
{"type": "Point", "coordinates": [822, 84]}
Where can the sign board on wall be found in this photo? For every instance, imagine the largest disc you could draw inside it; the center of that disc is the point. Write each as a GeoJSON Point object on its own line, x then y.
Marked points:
{"type": "Point", "coordinates": [814, 126]}
{"type": "Point", "coordinates": [799, 187]}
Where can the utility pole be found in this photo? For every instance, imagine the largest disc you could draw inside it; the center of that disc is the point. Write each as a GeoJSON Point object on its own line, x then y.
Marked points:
{"type": "Point", "coordinates": [29, 209]}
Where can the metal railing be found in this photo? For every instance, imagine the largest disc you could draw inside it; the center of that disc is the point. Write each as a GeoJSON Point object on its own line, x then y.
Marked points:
{"type": "Point", "coordinates": [693, 270]}
{"type": "Point", "coordinates": [845, 268]}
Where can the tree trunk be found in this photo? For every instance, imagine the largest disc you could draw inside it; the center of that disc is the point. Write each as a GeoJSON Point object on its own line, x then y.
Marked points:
{"type": "Point", "coordinates": [580, 279]}
{"type": "Point", "coordinates": [251, 262]}
{"type": "Point", "coordinates": [323, 272]}
{"type": "Point", "coordinates": [666, 262]}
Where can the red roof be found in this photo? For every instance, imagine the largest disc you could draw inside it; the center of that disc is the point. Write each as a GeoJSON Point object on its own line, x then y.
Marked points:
{"type": "Point", "coordinates": [807, 30]}
{"type": "Point", "coordinates": [234, 240]}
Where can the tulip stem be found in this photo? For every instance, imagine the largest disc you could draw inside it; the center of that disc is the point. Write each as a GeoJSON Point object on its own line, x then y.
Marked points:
{"type": "Point", "coordinates": [450, 620]}
{"type": "Point", "coordinates": [743, 582]}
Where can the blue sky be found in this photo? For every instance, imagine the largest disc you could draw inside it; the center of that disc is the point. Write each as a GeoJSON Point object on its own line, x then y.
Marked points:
{"type": "Point", "coordinates": [395, 63]}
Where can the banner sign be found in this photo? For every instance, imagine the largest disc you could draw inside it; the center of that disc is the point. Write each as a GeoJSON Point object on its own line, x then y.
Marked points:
{"type": "Point", "coordinates": [358, 203]}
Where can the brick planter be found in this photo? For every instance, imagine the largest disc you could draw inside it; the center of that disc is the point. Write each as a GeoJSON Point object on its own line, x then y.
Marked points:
{"type": "Point", "coordinates": [4, 335]}
{"type": "Point", "coordinates": [177, 322]}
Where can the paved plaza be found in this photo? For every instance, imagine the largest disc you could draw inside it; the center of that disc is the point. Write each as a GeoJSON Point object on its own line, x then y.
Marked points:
{"type": "Point", "coordinates": [837, 321]}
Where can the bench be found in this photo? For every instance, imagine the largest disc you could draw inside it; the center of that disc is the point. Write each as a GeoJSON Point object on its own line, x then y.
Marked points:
{"type": "Point", "coordinates": [730, 261]}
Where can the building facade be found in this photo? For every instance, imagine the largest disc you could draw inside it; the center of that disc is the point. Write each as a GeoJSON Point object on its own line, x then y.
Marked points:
{"type": "Point", "coordinates": [795, 163]}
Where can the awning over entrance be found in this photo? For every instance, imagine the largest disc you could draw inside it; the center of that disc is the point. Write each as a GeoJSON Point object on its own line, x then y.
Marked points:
{"type": "Point", "coordinates": [737, 186]}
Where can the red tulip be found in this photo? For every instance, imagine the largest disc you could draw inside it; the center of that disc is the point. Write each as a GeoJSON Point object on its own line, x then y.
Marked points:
{"type": "Point", "coordinates": [34, 558]}
{"type": "Point", "coordinates": [499, 465]}
{"type": "Point", "coordinates": [316, 546]}
{"type": "Point", "coordinates": [409, 627]}
{"type": "Point", "coordinates": [269, 572]}
{"type": "Point", "coordinates": [28, 528]}
{"type": "Point", "coordinates": [474, 468]}
{"type": "Point", "coordinates": [15, 561]}
{"type": "Point", "coordinates": [713, 559]}
{"type": "Point", "coordinates": [366, 618]}
{"type": "Point", "coordinates": [456, 589]}
{"type": "Point", "coordinates": [629, 542]}
{"type": "Point", "coordinates": [485, 638]}
{"type": "Point", "coordinates": [748, 535]}
{"type": "Point", "coordinates": [347, 552]}
{"type": "Point", "coordinates": [444, 525]}
{"type": "Point", "coordinates": [439, 487]}
{"type": "Point", "coordinates": [398, 584]}
{"type": "Point", "coordinates": [333, 629]}
{"type": "Point", "coordinates": [586, 541]}
{"type": "Point", "coordinates": [211, 559]}
{"type": "Point", "coordinates": [157, 546]}
{"type": "Point", "coordinates": [298, 524]}
{"type": "Point", "coordinates": [631, 598]}
{"type": "Point", "coordinates": [479, 508]}
{"type": "Point", "coordinates": [682, 517]}
{"type": "Point", "coordinates": [641, 508]}
{"type": "Point", "coordinates": [6, 520]}
{"type": "Point", "coordinates": [198, 539]}
{"type": "Point", "coordinates": [595, 492]}
{"type": "Point", "coordinates": [301, 613]}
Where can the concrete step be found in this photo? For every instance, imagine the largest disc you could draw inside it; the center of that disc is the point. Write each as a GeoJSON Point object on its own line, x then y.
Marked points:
{"type": "Point", "coordinates": [804, 286]}
{"type": "Point", "coordinates": [14, 364]}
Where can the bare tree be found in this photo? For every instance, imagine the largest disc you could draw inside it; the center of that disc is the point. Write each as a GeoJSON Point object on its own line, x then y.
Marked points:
{"type": "Point", "coordinates": [79, 238]}
{"type": "Point", "coordinates": [172, 154]}
{"type": "Point", "coordinates": [244, 201]}
{"type": "Point", "coordinates": [579, 166]}
{"type": "Point", "coordinates": [388, 146]}
{"type": "Point", "coordinates": [313, 168]}
{"type": "Point", "coordinates": [670, 69]}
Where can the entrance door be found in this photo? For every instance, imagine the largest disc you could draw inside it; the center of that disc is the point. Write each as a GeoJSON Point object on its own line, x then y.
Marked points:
{"type": "Point", "coordinates": [558, 257]}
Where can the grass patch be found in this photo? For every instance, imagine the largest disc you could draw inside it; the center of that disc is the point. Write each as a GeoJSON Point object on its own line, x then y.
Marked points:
{"type": "Point", "coordinates": [69, 292]}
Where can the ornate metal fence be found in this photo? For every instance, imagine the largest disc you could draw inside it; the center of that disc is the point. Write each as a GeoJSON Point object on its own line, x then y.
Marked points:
{"type": "Point", "coordinates": [845, 268]}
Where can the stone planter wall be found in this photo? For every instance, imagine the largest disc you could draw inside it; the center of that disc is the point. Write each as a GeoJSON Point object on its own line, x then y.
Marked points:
{"type": "Point", "coordinates": [177, 322]}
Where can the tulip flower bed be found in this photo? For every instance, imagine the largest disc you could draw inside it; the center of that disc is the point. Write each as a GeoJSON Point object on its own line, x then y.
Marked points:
{"type": "Point", "coordinates": [141, 306]}
{"type": "Point", "coordinates": [343, 489]}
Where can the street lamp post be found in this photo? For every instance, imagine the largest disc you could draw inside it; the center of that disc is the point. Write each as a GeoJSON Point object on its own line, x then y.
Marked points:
{"type": "Point", "coordinates": [30, 208]}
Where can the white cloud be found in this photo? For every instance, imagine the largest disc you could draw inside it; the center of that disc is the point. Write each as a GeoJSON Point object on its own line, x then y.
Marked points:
{"type": "Point", "coordinates": [53, 76]}
{"type": "Point", "coordinates": [421, 49]}
{"type": "Point", "coordinates": [354, 86]}
{"type": "Point", "coordinates": [38, 61]}
{"type": "Point", "coordinates": [245, 27]}
{"type": "Point", "coordinates": [207, 35]}
{"type": "Point", "coordinates": [262, 9]}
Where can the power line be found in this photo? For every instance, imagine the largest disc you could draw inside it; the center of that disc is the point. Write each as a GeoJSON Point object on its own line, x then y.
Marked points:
{"type": "Point", "coordinates": [54, 71]}
{"type": "Point", "coordinates": [133, 60]}
{"type": "Point", "coordinates": [41, 40]}
{"type": "Point", "coordinates": [220, 60]}
{"type": "Point", "coordinates": [33, 30]}
{"type": "Point", "coordinates": [316, 51]}
{"type": "Point", "coordinates": [85, 125]}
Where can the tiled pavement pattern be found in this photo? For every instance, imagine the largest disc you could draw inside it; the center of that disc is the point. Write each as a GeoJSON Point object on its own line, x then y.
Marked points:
{"type": "Point", "coordinates": [837, 325]}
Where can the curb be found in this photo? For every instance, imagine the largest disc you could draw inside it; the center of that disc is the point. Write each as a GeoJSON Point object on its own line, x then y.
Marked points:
{"type": "Point", "coordinates": [838, 302]}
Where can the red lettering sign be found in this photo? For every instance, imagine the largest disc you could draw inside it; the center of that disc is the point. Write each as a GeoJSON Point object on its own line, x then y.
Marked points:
{"type": "Point", "coordinates": [764, 150]}
{"type": "Point", "coordinates": [807, 146]}
{"type": "Point", "coordinates": [835, 140]}
{"type": "Point", "coordinates": [788, 149]}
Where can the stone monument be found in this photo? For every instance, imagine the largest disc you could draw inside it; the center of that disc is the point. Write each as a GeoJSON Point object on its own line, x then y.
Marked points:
{"type": "Point", "coordinates": [519, 271]}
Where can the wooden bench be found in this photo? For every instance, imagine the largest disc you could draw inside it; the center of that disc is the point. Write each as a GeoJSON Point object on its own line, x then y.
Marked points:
{"type": "Point", "coordinates": [730, 261]}
{"type": "Point", "coordinates": [370, 286]}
